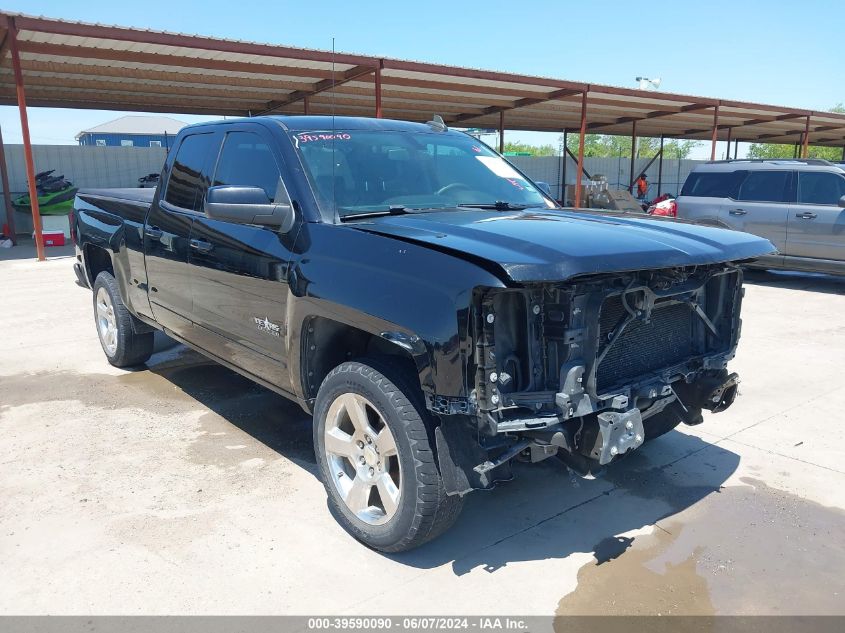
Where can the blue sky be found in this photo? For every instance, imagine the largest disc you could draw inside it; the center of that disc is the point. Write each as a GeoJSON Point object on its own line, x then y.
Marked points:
{"type": "Point", "coordinates": [776, 51]}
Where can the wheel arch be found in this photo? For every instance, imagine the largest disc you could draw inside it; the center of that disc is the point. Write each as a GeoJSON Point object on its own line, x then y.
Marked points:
{"type": "Point", "coordinates": [327, 342]}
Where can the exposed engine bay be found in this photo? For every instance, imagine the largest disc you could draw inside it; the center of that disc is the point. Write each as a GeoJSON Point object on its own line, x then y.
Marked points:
{"type": "Point", "coordinates": [587, 370]}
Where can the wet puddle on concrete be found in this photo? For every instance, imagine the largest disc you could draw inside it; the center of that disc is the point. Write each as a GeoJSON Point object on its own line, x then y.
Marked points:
{"type": "Point", "coordinates": [748, 549]}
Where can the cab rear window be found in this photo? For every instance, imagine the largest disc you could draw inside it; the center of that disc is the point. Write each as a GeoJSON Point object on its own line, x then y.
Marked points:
{"type": "Point", "coordinates": [720, 184]}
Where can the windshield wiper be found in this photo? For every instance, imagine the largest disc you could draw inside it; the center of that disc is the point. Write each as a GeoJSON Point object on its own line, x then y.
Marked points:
{"type": "Point", "coordinates": [393, 209]}
{"type": "Point", "coordinates": [499, 205]}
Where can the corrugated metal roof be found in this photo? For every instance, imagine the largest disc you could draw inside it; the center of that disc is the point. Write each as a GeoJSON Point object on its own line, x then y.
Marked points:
{"type": "Point", "coordinates": [79, 65]}
{"type": "Point", "coordinates": [137, 125]}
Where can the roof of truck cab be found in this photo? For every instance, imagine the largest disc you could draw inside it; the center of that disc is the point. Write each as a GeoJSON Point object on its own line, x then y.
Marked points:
{"type": "Point", "coordinates": [302, 123]}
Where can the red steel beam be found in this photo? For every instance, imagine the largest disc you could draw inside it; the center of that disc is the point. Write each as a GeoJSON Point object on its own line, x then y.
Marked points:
{"type": "Point", "coordinates": [633, 154]}
{"type": "Point", "coordinates": [124, 34]}
{"type": "Point", "coordinates": [378, 90]}
{"type": "Point", "coordinates": [582, 134]}
{"type": "Point", "coordinates": [320, 86]}
{"type": "Point", "coordinates": [715, 133]}
{"type": "Point", "coordinates": [502, 132]}
{"type": "Point", "coordinates": [651, 115]}
{"type": "Point", "coordinates": [521, 103]}
{"type": "Point", "coordinates": [805, 149]}
{"type": "Point", "coordinates": [7, 195]}
{"type": "Point", "coordinates": [27, 145]}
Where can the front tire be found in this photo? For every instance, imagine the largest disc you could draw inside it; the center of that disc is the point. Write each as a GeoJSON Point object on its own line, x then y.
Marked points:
{"type": "Point", "coordinates": [122, 345]}
{"type": "Point", "coordinates": [375, 455]}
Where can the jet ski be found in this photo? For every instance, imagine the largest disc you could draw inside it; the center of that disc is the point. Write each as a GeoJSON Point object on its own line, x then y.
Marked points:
{"type": "Point", "coordinates": [55, 195]}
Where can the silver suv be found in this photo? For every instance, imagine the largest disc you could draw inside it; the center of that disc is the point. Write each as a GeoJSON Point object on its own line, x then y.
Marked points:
{"type": "Point", "coordinates": [798, 205]}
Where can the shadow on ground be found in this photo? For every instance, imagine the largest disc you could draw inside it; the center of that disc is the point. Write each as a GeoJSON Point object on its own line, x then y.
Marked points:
{"type": "Point", "coordinates": [555, 513]}
{"type": "Point", "coordinates": [790, 280]}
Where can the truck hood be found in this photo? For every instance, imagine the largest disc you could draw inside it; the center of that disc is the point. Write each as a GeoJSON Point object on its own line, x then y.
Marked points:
{"type": "Point", "coordinates": [550, 245]}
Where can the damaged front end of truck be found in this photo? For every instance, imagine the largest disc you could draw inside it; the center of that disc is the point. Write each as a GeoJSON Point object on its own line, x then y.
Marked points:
{"type": "Point", "coordinates": [588, 369]}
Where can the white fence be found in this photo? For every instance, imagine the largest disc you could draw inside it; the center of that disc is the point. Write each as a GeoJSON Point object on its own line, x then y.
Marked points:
{"type": "Point", "coordinates": [86, 167]}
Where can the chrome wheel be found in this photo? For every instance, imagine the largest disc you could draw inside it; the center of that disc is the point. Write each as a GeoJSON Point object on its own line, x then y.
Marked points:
{"type": "Point", "coordinates": [362, 459]}
{"type": "Point", "coordinates": [106, 322]}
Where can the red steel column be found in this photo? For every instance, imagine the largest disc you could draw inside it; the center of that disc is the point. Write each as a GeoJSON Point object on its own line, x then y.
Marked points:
{"type": "Point", "coordinates": [715, 133]}
{"type": "Point", "coordinates": [7, 196]}
{"type": "Point", "coordinates": [660, 170]}
{"type": "Point", "coordinates": [27, 146]}
{"type": "Point", "coordinates": [580, 171]}
{"type": "Point", "coordinates": [501, 131]}
{"type": "Point", "coordinates": [736, 148]}
{"type": "Point", "coordinates": [728, 145]}
{"type": "Point", "coordinates": [633, 155]}
{"type": "Point", "coordinates": [378, 91]}
{"type": "Point", "coordinates": [805, 150]}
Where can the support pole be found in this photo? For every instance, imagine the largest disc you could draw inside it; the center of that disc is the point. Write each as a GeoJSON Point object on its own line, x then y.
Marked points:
{"type": "Point", "coordinates": [378, 91]}
{"type": "Point", "coordinates": [660, 168]}
{"type": "Point", "coordinates": [843, 153]}
{"type": "Point", "coordinates": [728, 150]}
{"type": "Point", "coordinates": [715, 133]}
{"type": "Point", "coordinates": [736, 148]}
{"type": "Point", "coordinates": [27, 145]}
{"type": "Point", "coordinates": [583, 132]}
{"type": "Point", "coordinates": [795, 148]}
{"type": "Point", "coordinates": [633, 155]}
{"type": "Point", "coordinates": [502, 132]}
{"type": "Point", "coordinates": [305, 105]}
{"type": "Point", "coordinates": [563, 169]}
{"type": "Point", "coordinates": [805, 151]}
{"type": "Point", "coordinates": [7, 195]}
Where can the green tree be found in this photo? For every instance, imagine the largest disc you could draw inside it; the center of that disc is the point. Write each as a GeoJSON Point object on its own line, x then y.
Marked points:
{"type": "Point", "coordinates": [772, 150]}
{"type": "Point", "coordinates": [605, 146]}
{"type": "Point", "coordinates": [534, 150]}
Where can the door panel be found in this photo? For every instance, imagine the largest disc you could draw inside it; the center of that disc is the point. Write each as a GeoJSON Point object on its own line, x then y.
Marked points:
{"type": "Point", "coordinates": [816, 222]}
{"type": "Point", "coordinates": [239, 272]}
{"type": "Point", "coordinates": [761, 206]}
{"type": "Point", "coordinates": [167, 231]}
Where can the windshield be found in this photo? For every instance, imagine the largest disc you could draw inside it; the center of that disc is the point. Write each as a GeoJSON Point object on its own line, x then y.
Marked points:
{"type": "Point", "coordinates": [356, 172]}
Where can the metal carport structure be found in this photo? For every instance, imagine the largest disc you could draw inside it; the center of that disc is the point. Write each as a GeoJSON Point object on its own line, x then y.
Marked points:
{"type": "Point", "coordinates": [63, 64]}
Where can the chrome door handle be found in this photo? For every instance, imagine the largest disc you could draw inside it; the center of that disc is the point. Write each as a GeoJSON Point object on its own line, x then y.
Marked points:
{"type": "Point", "coordinates": [201, 246]}
{"type": "Point", "coordinates": [806, 215]}
{"type": "Point", "coordinates": [153, 231]}
{"type": "Point", "coordinates": [737, 211]}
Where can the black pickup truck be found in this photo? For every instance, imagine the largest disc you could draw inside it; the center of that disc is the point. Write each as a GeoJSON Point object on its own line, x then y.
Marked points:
{"type": "Point", "coordinates": [435, 311]}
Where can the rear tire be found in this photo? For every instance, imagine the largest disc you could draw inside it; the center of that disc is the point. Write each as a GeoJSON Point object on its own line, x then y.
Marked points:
{"type": "Point", "coordinates": [379, 470]}
{"type": "Point", "coordinates": [122, 345]}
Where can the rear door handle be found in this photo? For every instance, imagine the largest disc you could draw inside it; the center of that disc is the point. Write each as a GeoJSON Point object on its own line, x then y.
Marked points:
{"type": "Point", "coordinates": [737, 211]}
{"type": "Point", "coordinates": [806, 215]}
{"type": "Point", "coordinates": [153, 231]}
{"type": "Point", "coordinates": [201, 246]}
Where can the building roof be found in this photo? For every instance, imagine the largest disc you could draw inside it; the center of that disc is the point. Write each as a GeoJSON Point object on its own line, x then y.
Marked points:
{"type": "Point", "coordinates": [134, 125]}
{"type": "Point", "coordinates": [77, 65]}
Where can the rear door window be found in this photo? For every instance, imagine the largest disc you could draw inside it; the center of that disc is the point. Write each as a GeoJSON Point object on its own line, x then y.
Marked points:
{"type": "Point", "coordinates": [714, 184]}
{"type": "Point", "coordinates": [820, 187]}
{"type": "Point", "coordinates": [189, 174]}
{"type": "Point", "coordinates": [765, 186]}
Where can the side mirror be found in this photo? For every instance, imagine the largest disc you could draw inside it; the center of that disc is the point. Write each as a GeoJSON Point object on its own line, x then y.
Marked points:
{"type": "Point", "coordinates": [544, 187]}
{"type": "Point", "coordinates": [247, 205]}
{"type": "Point", "coordinates": [842, 202]}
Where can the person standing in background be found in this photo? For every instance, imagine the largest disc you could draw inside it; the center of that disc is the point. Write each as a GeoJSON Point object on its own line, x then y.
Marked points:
{"type": "Point", "coordinates": [642, 187]}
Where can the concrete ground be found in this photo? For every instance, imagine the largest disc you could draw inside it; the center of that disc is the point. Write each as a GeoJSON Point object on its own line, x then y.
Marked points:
{"type": "Point", "coordinates": [184, 488]}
